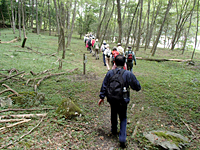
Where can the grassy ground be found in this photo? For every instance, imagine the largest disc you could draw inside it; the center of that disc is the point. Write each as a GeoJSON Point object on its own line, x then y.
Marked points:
{"type": "Point", "coordinates": [169, 99]}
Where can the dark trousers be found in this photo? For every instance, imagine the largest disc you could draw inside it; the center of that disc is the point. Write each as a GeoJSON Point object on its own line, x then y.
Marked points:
{"type": "Point", "coordinates": [121, 110]}
{"type": "Point", "coordinates": [104, 61]}
{"type": "Point", "coordinates": [129, 66]}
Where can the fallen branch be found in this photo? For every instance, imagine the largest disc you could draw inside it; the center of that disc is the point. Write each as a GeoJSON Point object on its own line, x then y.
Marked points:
{"type": "Point", "coordinates": [15, 124]}
{"type": "Point", "coordinates": [5, 146]}
{"type": "Point", "coordinates": [12, 41]}
{"type": "Point", "coordinates": [161, 60]}
{"type": "Point", "coordinates": [12, 76]}
{"type": "Point", "coordinates": [24, 116]}
{"type": "Point", "coordinates": [8, 89]}
{"type": "Point", "coordinates": [10, 120]}
{"type": "Point", "coordinates": [6, 110]}
{"type": "Point", "coordinates": [48, 76]}
{"type": "Point", "coordinates": [135, 130]}
{"type": "Point", "coordinates": [188, 127]}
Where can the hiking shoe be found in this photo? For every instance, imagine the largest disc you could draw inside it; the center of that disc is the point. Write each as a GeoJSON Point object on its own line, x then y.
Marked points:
{"type": "Point", "coordinates": [122, 144]}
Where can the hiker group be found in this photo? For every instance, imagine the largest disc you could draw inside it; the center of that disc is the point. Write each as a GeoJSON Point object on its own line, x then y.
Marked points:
{"type": "Point", "coordinates": [117, 82]}
{"type": "Point", "coordinates": [109, 55]}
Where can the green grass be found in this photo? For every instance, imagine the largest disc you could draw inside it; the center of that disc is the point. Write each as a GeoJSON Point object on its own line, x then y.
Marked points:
{"type": "Point", "coordinates": [169, 95]}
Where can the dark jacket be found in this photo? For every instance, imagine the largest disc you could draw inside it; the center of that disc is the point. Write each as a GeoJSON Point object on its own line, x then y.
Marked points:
{"type": "Point", "coordinates": [129, 80]}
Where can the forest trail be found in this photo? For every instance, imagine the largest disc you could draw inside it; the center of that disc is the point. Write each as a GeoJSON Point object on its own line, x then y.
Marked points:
{"type": "Point", "coordinates": [101, 115]}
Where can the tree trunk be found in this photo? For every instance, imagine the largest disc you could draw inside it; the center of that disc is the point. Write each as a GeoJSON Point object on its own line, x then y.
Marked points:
{"type": "Point", "coordinates": [13, 18]}
{"type": "Point", "coordinates": [196, 30]}
{"type": "Point", "coordinates": [99, 26]}
{"type": "Point", "coordinates": [140, 22]}
{"type": "Point", "coordinates": [152, 24]}
{"type": "Point", "coordinates": [32, 12]}
{"type": "Point", "coordinates": [72, 25]}
{"type": "Point", "coordinates": [181, 22]}
{"type": "Point", "coordinates": [49, 18]}
{"type": "Point", "coordinates": [19, 18]}
{"type": "Point", "coordinates": [161, 27]}
{"type": "Point", "coordinates": [23, 21]}
{"type": "Point", "coordinates": [37, 23]}
{"type": "Point", "coordinates": [135, 31]}
{"type": "Point", "coordinates": [106, 27]}
{"type": "Point", "coordinates": [186, 34]}
{"type": "Point", "coordinates": [147, 33]}
{"type": "Point", "coordinates": [119, 20]}
{"type": "Point", "coordinates": [129, 31]}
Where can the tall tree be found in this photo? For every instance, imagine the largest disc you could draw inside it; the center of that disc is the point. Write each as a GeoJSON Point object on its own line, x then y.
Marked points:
{"type": "Point", "coordinates": [161, 27]}
{"type": "Point", "coordinates": [197, 29]}
{"type": "Point", "coordinates": [130, 28]}
{"type": "Point", "coordinates": [72, 25]}
{"type": "Point", "coordinates": [140, 22]}
{"type": "Point", "coordinates": [37, 22]}
{"type": "Point", "coordinates": [23, 20]}
{"type": "Point", "coordinates": [13, 17]}
{"type": "Point", "coordinates": [49, 18]}
{"type": "Point", "coordinates": [19, 17]}
{"type": "Point", "coordinates": [100, 24]}
{"type": "Point", "coordinates": [119, 20]}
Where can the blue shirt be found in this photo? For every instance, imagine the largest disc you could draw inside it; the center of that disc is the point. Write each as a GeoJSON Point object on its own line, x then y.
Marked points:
{"type": "Point", "coordinates": [129, 80]}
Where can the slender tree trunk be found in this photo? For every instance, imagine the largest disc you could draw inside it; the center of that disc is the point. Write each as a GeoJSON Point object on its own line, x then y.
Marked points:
{"type": "Point", "coordinates": [131, 26]}
{"type": "Point", "coordinates": [119, 20]}
{"type": "Point", "coordinates": [72, 25]}
{"type": "Point", "coordinates": [13, 18]}
{"type": "Point", "coordinates": [140, 22]}
{"type": "Point", "coordinates": [99, 26]}
{"type": "Point", "coordinates": [135, 30]}
{"type": "Point", "coordinates": [23, 21]}
{"type": "Point", "coordinates": [57, 18]}
{"type": "Point", "coordinates": [37, 22]}
{"type": "Point", "coordinates": [19, 18]}
{"type": "Point", "coordinates": [161, 27]}
{"type": "Point", "coordinates": [41, 15]}
{"type": "Point", "coordinates": [106, 27]}
{"type": "Point", "coordinates": [196, 31]}
{"type": "Point", "coordinates": [147, 33]}
{"type": "Point", "coordinates": [186, 34]}
{"type": "Point", "coordinates": [32, 12]}
{"type": "Point", "coordinates": [124, 11]}
{"type": "Point", "coordinates": [49, 18]}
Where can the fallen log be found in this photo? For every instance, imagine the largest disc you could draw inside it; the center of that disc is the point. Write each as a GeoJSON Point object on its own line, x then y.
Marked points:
{"type": "Point", "coordinates": [12, 41]}
{"type": "Point", "coordinates": [10, 120]}
{"type": "Point", "coordinates": [161, 60]}
{"type": "Point", "coordinates": [6, 110]}
{"type": "Point", "coordinates": [15, 124]}
{"type": "Point", "coordinates": [8, 89]}
{"type": "Point", "coordinates": [24, 116]}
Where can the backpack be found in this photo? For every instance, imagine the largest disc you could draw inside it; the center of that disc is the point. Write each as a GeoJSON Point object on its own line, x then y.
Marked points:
{"type": "Point", "coordinates": [97, 46]}
{"type": "Point", "coordinates": [114, 54]}
{"type": "Point", "coordinates": [115, 86]}
{"type": "Point", "coordinates": [130, 56]}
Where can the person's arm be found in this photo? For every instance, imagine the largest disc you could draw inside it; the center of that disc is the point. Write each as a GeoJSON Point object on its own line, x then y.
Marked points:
{"type": "Point", "coordinates": [134, 58]}
{"type": "Point", "coordinates": [103, 91]}
{"type": "Point", "coordinates": [133, 82]}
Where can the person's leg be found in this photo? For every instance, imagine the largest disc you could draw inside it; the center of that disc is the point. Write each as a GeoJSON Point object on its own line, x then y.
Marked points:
{"type": "Point", "coordinates": [107, 64]}
{"type": "Point", "coordinates": [96, 54]}
{"type": "Point", "coordinates": [131, 67]}
{"type": "Point", "coordinates": [123, 122]}
{"type": "Point", "coordinates": [104, 61]}
{"type": "Point", "coordinates": [113, 118]}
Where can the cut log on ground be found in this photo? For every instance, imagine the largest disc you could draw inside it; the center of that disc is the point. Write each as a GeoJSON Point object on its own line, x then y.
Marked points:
{"type": "Point", "coordinates": [15, 124]}
{"type": "Point", "coordinates": [6, 110]}
{"type": "Point", "coordinates": [24, 116]}
{"type": "Point", "coordinates": [10, 120]}
{"type": "Point", "coordinates": [161, 60]}
{"type": "Point", "coordinates": [8, 89]}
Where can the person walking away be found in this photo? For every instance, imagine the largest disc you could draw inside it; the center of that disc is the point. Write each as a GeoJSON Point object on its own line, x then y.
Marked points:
{"type": "Point", "coordinates": [115, 87]}
{"type": "Point", "coordinates": [92, 47]}
{"type": "Point", "coordinates": [103, 49]}
{"type": "Point", "coordinates": [90, 44]}
{"type": "Point", "coordinates": [114, 54]}
{"type": "Point", "coordinates": [120, 49]}
{"type": "Point", "coordinates": [130, 57]}
{"type": "Point", "coordinates": [96, 49]}
{"type": "Point", "coordinates": [85, 39]}
{"type": "Point", "coordinates": [108, 56]}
